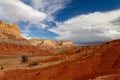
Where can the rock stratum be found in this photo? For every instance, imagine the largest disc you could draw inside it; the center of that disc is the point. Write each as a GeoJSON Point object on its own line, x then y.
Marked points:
{"type": "Point", "coordinates": [48, 42]}
{"type": "Point", "coordinates": [9, 31]}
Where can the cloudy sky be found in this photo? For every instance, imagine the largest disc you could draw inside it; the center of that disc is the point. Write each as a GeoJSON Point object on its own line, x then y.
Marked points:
{"type": "Point", "coordinates": [81, 21]}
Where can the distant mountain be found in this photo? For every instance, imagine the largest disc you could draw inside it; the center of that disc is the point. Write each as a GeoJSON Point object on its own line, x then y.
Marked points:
{"type": "Point", "coordinates": [90, 43]}
{"type": "Point", "coordinates": [51, 43]}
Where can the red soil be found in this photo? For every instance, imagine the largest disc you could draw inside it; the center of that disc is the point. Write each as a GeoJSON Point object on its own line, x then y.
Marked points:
{"type": "Point", "coordinates": [15, 49]}
{"type": "Point", "coordinates": [104, 60]}
{"type": "Point", "coordinates": [50, 60]}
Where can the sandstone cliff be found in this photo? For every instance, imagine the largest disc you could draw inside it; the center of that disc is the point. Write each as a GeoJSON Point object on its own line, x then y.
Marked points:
{"type": "Point", "coordinates": [10, 33]}
{"type": "Point", "coordinates": [67, 42]}
{"type": "Point", "coordinates": [40, 42]}
{"type": "Point", "coordinates": [11, 29]}
{"type": "Point", "coordinates": [47, 42]}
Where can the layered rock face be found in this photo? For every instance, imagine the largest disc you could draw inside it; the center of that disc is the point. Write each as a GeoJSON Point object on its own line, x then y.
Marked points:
{"type": "Point", "coordinates": [9, 29]}
{"type": "Point", "coordinates": [44, 42]}
{"type": "Point", "coordinates": [10, 33]}
{"type": "Point", "coordinates": [47, 42]}
{"type": "Point", "coordinates": [67, 42]}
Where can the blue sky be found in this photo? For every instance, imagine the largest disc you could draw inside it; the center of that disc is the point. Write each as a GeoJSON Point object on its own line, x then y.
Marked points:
{"type": "Point", "coordinates": [78, 7]}
{"type": "Point", "coordinates": [81, 21]}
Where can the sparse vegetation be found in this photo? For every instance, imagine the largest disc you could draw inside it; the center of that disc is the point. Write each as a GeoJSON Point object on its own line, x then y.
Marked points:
{"type": "Point", "coordinates": [33, 52]}
{"type": "Point", "coordinates": [33, 64]}
{"type": "Point", "coordinates": [78, 50]}
{"type": "Point", "coordinates": [1, 68]}
{"type": "Point", "coordinates": [24, 58]}
{"type": "Point", "coordinates": [86, 56]}
{"type": "Point", "coordinates": [62, 51]}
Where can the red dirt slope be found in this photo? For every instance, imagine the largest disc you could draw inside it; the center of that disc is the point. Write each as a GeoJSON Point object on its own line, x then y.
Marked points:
{"type": "Point", "coordinates": [16, 49]}
{"type": "Point", "coordinates": [105, 60]}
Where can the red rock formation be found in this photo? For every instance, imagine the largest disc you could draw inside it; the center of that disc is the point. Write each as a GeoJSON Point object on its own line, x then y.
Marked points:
{"type": "Point", "coordinates": [51, 43]}
{"type": "Point", "coordinates": [10, 31]}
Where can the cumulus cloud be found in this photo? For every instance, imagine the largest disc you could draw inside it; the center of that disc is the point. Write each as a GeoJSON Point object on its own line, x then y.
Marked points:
{"type": "Point", "coordinates": [34, 13]}
{"type": "Point", "coordinates": [49, 7]}
{"type": "Point", "coordinates": [16, 10]}
{"type": "Point", "coordinates": [92, 27]}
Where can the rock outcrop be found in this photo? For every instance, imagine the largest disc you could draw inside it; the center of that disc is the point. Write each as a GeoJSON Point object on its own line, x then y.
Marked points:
{"type": "Point", "coordinates": [10, 33]}
{"type": "Point", "coordinates": [48, 42]}
{"type": "Point", "coordinates": [11, 29]}
{"type": "Point", "coordinates": [67, 42]}
{"type": "Point", "coordinates": [39, 42]}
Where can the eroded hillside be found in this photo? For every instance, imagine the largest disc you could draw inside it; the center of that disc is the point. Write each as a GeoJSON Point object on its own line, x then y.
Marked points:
{"type": "Point", "coordinates": [53, 60]}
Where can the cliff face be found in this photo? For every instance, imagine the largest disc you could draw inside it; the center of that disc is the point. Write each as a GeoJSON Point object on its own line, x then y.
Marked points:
{"type": "Point", "coordinates": [39, 42]}
{"type": "Point", "coordinates": [10, 33]}
{"type": "Point", "coordinates": [7, 30]}
{"type": "Point", "coordinates": [67, 42]}
{"type": "Point", "coordinates": [35, 42]}
{"type": "Point", "coordinates": [47, 42]}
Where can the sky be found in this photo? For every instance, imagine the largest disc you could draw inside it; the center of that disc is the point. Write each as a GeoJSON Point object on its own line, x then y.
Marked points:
{"type": "Point", "coordinates": [81, 21]}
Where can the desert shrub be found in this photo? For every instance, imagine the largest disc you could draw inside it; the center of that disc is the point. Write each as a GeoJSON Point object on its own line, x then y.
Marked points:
{"type": "Point", "coordinates": [86, 56]}
{"type": "Point", "coordinates": [24, 58]}
{"type": "Point", "coordinates": [78, 50]}
{"type": "Point", "coordinates": [88, 47]}
{"type": "Point", "coordinates": [33, 64]}
{"type": "Point", "coordinates": [33, 52]}
{"type": "Point", "coordinates": [62, 51]}
{"type": "Point", "coordinates": [1, 68]}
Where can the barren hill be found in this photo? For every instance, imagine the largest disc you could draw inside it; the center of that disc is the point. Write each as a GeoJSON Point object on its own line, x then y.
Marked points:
{"type": "Point", "coordinates": [48, 42]}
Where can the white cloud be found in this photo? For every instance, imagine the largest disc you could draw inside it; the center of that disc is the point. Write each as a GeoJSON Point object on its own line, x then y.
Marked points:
{"type": "Point", "coordinates": [49, 6]}
{"type": "Point", "coordinates": [16, 10]}
{"type": "Point", "coordinates": [92, 27]}
{"type": "Point", "coordinates": [26, 31]}
{"type": "Point", "coordinates": [25, 35]}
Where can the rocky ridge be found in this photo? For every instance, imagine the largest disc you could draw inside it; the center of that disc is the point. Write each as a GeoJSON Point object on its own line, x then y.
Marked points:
{"type": "Point", "coordinates": [10, 33]}
{"type": "Point", "coordinates": [48, 42]}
